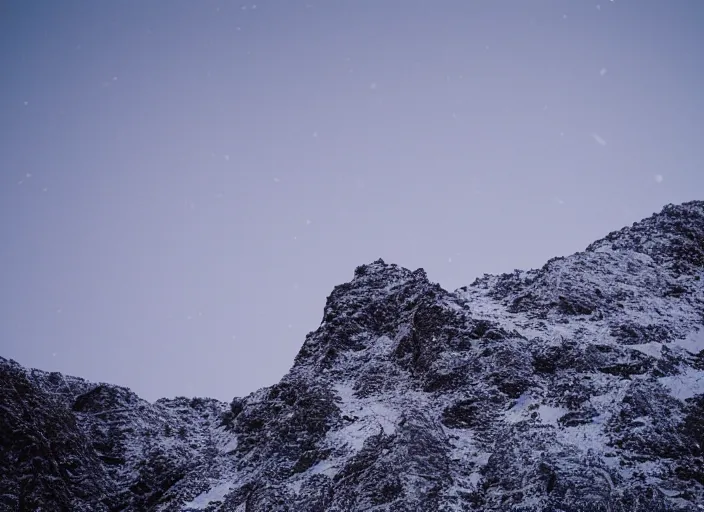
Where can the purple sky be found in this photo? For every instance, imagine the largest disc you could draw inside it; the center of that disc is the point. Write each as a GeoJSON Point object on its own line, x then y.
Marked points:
{"type": "Point", "coordinates": [183, 182]}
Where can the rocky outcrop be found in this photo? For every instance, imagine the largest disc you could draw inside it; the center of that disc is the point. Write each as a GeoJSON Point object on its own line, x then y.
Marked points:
{"type": "Point", "coordinates": [578, 386]}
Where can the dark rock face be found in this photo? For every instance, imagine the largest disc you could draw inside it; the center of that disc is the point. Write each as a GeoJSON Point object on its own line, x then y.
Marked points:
{"type": "Point", "coordinates": [45, 458]}
{"type": "Point", "coordinates": [577, 387]}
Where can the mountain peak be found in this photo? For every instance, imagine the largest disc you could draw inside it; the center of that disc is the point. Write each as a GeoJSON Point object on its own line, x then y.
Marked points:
{"type": "Point", "coordinates": [372, 303]}
{"type": "Point", "coordinates": [379, 269]}
{"type": "Point", "coordinates": [371, 283]}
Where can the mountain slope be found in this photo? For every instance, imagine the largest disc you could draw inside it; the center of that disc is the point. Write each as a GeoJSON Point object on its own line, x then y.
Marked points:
{"type": "Point", "coordinates": [575, 387]}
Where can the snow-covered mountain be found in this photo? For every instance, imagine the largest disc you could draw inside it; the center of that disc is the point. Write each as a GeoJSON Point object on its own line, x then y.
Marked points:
{"type": "Point", "coordinates": [575, 387]}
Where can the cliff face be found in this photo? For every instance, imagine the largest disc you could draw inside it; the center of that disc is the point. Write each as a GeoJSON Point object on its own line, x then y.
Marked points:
{"type": "Point", "coordinates": [575, 387]}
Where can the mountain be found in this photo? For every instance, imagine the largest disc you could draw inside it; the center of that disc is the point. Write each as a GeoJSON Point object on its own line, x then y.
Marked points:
{"type": "Point", "coordinates": [578, 386]}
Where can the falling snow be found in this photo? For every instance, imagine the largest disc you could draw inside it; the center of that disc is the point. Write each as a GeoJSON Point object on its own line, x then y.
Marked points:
{"type": "Point", "coordinates": [598, 139]}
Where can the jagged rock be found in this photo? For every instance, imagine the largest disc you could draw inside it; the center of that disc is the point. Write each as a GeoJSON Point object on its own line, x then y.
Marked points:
{"type": "Point", "coordinates": [576, 387]}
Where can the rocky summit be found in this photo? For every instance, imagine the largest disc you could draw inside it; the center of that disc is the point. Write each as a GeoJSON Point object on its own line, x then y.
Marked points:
{"type": "Point", "coordinates": [578, 386]}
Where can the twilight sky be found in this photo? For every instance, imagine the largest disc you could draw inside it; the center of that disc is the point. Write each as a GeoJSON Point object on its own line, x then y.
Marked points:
{"type": "Point", "coordinates": [182, 183]}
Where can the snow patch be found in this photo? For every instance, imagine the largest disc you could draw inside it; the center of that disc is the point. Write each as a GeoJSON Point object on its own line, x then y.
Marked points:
{"type": "Point", "coordinates": [518, 411]}
{"type": "Point", "coordinates": [324, 467]}
{"type": "Point", "coordinates": [231, 446]}
{"type": "Point", "coordinates": [204, 499]}
{"type": "Point", "coordinates": [652, 349]}
{"type": "Point", "coordinates": [549, 414]}
{"type": "Point", "coordinates": [688, 384]}
{"type": "Point", "coordinates": [475, 478]}
{"type": "Point", "coordinates": [693, 342]}
{"type": "Point", "coordinates": [370, 415]}
{"type": "Point", "coordinates": [525, 406]}
{"type": "Point", "coordinates": [296, 485]}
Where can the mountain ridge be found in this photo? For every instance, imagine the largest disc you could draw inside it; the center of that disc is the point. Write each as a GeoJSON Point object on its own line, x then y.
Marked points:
{"type": "Point", "coordinates": [578, 386]}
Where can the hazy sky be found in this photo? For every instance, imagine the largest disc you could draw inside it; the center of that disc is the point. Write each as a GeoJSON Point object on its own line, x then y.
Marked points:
{"type": "Point", "coordinates": [183, 182]}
